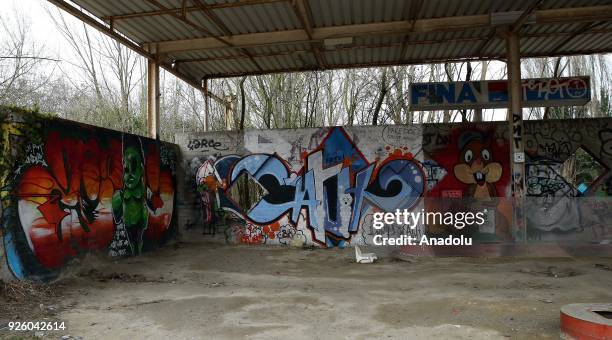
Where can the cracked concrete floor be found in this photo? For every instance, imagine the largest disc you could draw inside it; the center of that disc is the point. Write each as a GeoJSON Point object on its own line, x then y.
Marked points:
{"type": "Point", "coordinates": [204, 290]}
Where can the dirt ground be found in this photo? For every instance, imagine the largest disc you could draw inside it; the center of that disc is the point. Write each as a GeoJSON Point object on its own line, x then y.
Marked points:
{"type": "Point", "coordinates": [199, 289]}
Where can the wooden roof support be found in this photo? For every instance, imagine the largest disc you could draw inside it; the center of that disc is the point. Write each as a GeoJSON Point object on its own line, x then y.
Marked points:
{"type": "Point", "coordinates": [500, 57]}
{"type": "Point", "coordinates": [303, 51]}
{"type": "Point", "coordinates": [187, 9]}
{"type": "Point", "coordinates": [302, 11]}
{"type": "Point", "coordinates": [515, 27]}
{"type": "Point", "coordinates": [586, 27]}
{"type": "Point", "coordinates": [413, 13]}
{"type": "Point", "coordinates": [592, 17]}
{"type": "Point", "coordinates": [212, 16]}
{"type": "Point", "coordinates": [595, 13]}
{"type": "Point", "coordinates": [153, 99]}
{"type": "Point", "coordinates": [484, 41]}
{"type": "Point", "coordinates": [526, 13]}
{"type": "Point", "coordinates": [204, 31]}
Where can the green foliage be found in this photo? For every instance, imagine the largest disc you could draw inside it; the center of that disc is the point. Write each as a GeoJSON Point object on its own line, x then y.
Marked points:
{"type": "Point", "coordinates": [587, 168]}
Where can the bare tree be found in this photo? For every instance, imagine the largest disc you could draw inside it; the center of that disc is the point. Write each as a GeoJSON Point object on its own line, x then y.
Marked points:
{"type": "Point", "coordinates": [21, 62]}
{"type": "Point", "coordinates": [103, 83]}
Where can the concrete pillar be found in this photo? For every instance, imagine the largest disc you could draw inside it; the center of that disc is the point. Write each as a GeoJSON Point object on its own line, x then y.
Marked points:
{"type": "Point", "coordinates": [206, 108]}
{"type": "Point", "coordinates": [153, 96]}
{"type": "Point", "coordinates": [230, 107]}
{"type": "Point", "coordinates": [515, 123]}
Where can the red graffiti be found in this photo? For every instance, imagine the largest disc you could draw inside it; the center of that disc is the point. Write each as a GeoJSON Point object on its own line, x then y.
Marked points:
{"type": "Point", "coordinates": [65, 204]}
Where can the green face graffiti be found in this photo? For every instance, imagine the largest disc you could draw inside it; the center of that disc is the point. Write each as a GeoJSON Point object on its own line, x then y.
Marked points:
{"type": "Point", "coordinates": [129, 204]}
{"type": "Point", "coordinates": [132, 168]}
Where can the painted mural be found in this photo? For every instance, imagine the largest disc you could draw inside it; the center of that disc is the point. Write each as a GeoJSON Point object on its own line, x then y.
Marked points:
{"type": "Point", "coordinates": [321, 186]}
{"type": "Point", "coordinates": [75, 188]}
{"type": "Point", "coordinates": [316, 192]}
{"type": "Point", "coordinates": [567, 201]}
{"type": "Point", "coordinates": [469, 164]}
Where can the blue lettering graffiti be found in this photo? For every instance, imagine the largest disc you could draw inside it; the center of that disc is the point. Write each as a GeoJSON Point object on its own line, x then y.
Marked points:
{"type": "Point", "coordinates": [324, 187]}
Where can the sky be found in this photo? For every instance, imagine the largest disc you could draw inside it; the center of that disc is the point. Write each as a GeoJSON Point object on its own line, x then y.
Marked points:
{"type": "Point", "coordinates": [44, 33]}
{"type": "Point", "coordinates": [42, 27]}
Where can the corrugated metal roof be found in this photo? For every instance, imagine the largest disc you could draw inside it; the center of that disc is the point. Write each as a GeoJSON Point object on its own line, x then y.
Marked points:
{"type": "Point", "coordinates": [220, 39]}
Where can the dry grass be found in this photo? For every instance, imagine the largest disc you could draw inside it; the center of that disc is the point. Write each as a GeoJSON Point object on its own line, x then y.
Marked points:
{"type": "Point", "coordinates": [21, 291]}
{"type": "Point", "coordinates": [25, 299]}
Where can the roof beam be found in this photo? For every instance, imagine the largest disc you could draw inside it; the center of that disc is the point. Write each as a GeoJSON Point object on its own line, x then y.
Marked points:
{"type": "Point", "coordinates": [212, 16]}
{"type": "Point", "coordinates": [187, 9]}
{"type": "Point", "coordinates": [322, 33]}
{"type": "Point", "coordinates": [584, 28]}
{"type": "Point", "coordinates": [514, 27]}
{"type": "Point", "coordinates": [205, 31]}
{"type": "Point", "coordinates": [371, 46]}
{"type": "Point", "coordinates": [575, 14]}
{"type": "Point", "coordinates": [500, 57]}
{"type": "Point", "coordinates": [595, 13]}
{"type": "Point", "coordinates": [190, 23]}
{"type": "Point", "coordinates": [526, 13]}
{"type": "Point", "coordinates": [413, 13]}
{"type": "Point", "coordinates": [301, 9]}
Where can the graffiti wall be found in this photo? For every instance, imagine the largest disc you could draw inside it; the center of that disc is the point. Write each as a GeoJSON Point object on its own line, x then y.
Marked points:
{"type": "Point", "coordinates": [321, 186]}
{"type": "Point", "coordinates": [69, 189]}
{"type": "Point", "coordinates": [569, 183]}
{"type": "Point", "coordinates": [317, 185]}
{"type": "Point", "coordinates": [467, 167]}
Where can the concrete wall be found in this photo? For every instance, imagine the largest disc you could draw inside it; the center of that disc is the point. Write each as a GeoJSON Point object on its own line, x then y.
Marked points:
{"type": "Point", "coordinates": [556, 210]}
{"type": "Point", "coordinates": [68, 189]}
{"type": "Point", "coordinates": [322, 185]}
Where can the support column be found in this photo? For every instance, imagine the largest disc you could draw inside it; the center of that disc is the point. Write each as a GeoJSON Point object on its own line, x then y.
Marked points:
{"type": "Point", "coordinates": [515, 122]}
{"type": "Point", "coordinates": [206, 108]}
{"type": "Point", "coordinates": [153, 95]}
{"type": "Point", "coordinates": [230, 101]}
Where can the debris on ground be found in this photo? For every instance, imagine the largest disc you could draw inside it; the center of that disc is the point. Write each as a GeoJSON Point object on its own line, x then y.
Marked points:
{"type": "Point", "coordinates": [27, 300]}
{"type": "Point", "coordinates": [21, 291]}
{"type": "Point", "coordinates": [602, 266]}
{"type": "Point", "coordinates": [551, 271]}
{"type": "Point", "coordinates": [400, 257]}
{"type": "Point", "coordinates": [70, 337]}
{"type": "Point", "coordinates": [122, 277]}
